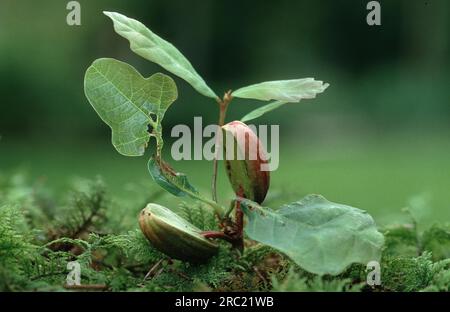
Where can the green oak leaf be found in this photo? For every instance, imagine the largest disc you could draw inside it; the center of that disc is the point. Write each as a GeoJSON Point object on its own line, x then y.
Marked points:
{"type": "Point", "coordinates": [262, 110]}
{"type": "Point", "coordinates": [176, 183]}
{"type": "Point", "coordinates": [128, 103]}
{"type": "Point", "coordinates": [282, 90]}
{"type": "Point", "coordinates": [320, 236]}
{"type": "Point", "coordinates": [155, 49]}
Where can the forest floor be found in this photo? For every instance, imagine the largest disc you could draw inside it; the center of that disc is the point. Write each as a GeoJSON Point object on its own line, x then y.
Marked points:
{"type": "Point", "coordinates": [50, 216]}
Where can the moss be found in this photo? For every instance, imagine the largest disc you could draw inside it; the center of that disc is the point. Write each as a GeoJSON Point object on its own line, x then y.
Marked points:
{"type": "Point", "coordinates": [437, 241]}
{"type": "Point", "coordinates": [441, 277]}
{"type": "Point", "coordinates": [113, 252]}
{"type": "Point", "coordinates": [401, 241]}
{"type": "Point", "coordinates": [406, 274]}
{"type": "Point", "coordinates": [296, 282]}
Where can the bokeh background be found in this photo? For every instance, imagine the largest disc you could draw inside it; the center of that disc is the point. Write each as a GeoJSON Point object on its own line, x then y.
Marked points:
{"type": "Point", "coordinates": [377, 139]}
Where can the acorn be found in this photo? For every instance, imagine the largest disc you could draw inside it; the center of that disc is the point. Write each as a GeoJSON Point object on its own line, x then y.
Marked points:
{"type": "Point", "coordinates": [245, 162]}
{"type": "Point", "coordinates": [174, 236]}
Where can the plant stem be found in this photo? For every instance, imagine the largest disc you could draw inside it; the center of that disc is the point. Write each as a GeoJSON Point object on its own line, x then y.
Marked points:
{"type": "Point", "coordinates": [223, 106]}
{"type": "Point", "coordinates": [230, 209]}
{"type": "Point", "coordinates": [239, 220]}
{"type": "Point", "coordinates": [217, 234]}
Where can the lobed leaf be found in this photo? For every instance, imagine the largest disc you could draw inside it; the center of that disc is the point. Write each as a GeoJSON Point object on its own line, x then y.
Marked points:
{"type": "Point", "coordinates": [155, 49]}
{"type": "Point", "coordinates": [126, 102]}
{"type": "Point", "coordinates": [320, 236]}
{"type": "Point", "coordinates": [283, 90]}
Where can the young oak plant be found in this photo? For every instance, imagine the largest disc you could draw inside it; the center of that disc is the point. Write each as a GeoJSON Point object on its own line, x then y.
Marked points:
{"type": "Point", "coordinates": [321, 236]}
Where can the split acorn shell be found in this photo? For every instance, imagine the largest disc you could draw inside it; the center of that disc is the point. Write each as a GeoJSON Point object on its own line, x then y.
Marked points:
{"type": "Point", "coordinates": [245, 175]}
{"type": "Point", "coordinates": [174, 236]}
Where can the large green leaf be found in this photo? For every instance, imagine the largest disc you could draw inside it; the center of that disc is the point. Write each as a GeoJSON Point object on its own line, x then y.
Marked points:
{"type": "Point", "coordinates": [176, 183]}
{"type": "Point", "coordinates": [129, 103]}
{"type": "Point", "coordinates": [320, 236]}
{"type": "Point", "coordinates": [282, 90]}
{"type": "Point", "coordinates": [262, 110]}
{"type": "Point", "coordinates": [153, 48]}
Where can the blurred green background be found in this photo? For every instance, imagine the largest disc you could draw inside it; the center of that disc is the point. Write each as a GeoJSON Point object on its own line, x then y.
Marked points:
{"type": "Point", "coordinates": [378, 138]}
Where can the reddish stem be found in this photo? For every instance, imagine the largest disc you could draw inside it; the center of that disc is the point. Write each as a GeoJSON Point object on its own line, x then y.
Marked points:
{"type": "Point", "coordinates": [219, 235]}
{"type": "Point", "coordinates": [239, 220]}
{"type": "Point", "coordinates": [239, 215]}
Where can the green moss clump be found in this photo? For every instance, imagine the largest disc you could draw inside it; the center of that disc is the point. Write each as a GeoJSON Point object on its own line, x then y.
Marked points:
{"type": "Point", "coordinates": [441, 277]}
{"type": "Point", "coordinates": [437, 241]}
{"type": "Point", "coordinates": [401, 241]}
{"type": "Point", "coordinates": [406, 274]}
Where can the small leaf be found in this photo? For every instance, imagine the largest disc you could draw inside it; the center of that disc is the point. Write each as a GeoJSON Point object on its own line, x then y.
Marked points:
{"type": "Point", "coordinates": [176, 183]}
{"type": "Point", "coordinates": [262, 110]}
{"type": "Point", "coordinates": [282, 90]}
{"type": "Point", "coordinates": [320, 236]}
{"type": "Point", "coordinates": [155, 49]}
{"type": "Point", "coordinates": [126, 101]}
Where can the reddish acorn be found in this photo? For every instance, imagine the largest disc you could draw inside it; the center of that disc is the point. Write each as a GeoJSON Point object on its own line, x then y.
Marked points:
{"type": "Point", "coordinates": [245, 161]}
